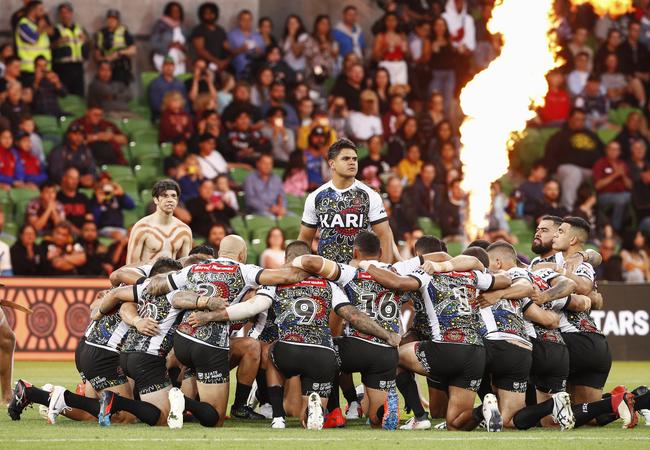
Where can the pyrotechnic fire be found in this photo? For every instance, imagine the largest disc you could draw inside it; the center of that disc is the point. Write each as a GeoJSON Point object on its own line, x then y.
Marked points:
{"type": "Point", "coordinates": [501, 99]}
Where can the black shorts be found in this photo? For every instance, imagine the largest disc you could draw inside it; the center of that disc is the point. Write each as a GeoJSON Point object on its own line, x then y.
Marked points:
{"type": "Point", "coordinates": [317, 366]}
{"type": "Point", "coordinates": [589, 359]}
{"type": "Point", "coordinates": [148, 371]}
{"type": "Point", "coordinates": [100, 367]}
{"type": "Point", "coordinates": [550, 368]}
{"type": "Point", "coordinates": [508, 365]}
{"type": "Point", "coordinates": [377, 364]}
{"type": "Point", "coordinates": [210, 364]}
{"type": "Point", "coordinates": [449, 364]}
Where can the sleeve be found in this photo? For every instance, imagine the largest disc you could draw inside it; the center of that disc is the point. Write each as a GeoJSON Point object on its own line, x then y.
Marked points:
{"type": "Point", "coordinates": [561, 304]}
{"type": "Point", "coordinates": [309, 217]}
{"type": "Point", "coordinates": [377, 212]}
{"type": "Point", "coordinates": [251, 274]}
{"type": "Point", "coordinates": [422, 277]}
{"type": "Point", "coordinates": [546, 274]}
{"type": "Point", "coordinates": [348, 273]}
{"type": "Point", "coordinates": [268, 291]}
{"type": "Point", "coordinates": [586, 271]}
{"type": "Point", "coordinates": [484, 281]}
{"type": "Point", "coordinates": [515, 273]}
{"type": "Point", "coordinates": [145, 270]}
{"type": "Point", "coordinates": [339, 298]}
{"type": "Point", "coordinates": [27, 34]}
{"type": "Point", "coordinates": [138, 289]}
{"type": "Point", "coordinates": [178, 280]}
{"type": "Point", "coordinates": [5, 259]}
{"type": "Point", "coordinates": [408, 266]}
{"type": "Point", "coordinates": [128, 38]}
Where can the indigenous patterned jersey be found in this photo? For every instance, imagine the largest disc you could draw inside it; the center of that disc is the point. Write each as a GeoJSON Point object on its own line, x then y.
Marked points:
{"type": "Point", "coordinates": [371, 298]}
{"type": "Point", "coordinates": [107, 332]}
{"type": "Point", "coordinates": [541, 279]}
{"type": "Point", "coordinates": [222, 277]}
{"type": "Point", "coordinates": [302, 310]}
{"type": "Point", "coordinates": [421, 323]}
{"type": "Point", "coordinates": [505, 319]}
{"type": "Point", "coordinates": [159, 309]}
{"type": "Point", "coordinates": [450, 300]}
{"type": "Point", "coordinates": [340, 215]}
{"type": "Point", "coordinates": [580, 322]}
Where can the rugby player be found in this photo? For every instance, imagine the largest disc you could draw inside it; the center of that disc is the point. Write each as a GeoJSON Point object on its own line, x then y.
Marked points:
{"type": "Point", "coordinates": [343, 207]}
{"type": "Point", "coordinates": [160, 234]}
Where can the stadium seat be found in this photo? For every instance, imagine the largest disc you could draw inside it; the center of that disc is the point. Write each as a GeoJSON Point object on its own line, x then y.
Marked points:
{"type": "Point", "coordinates": [259, 226]}
{"type": "Point", "coordinates": [130, 186]}
{"type": "Point", "coordinates": [72, 101]}
{"type": "Point", "coordinates": [428, 226]}
{"type": "Point", "coordinates": [131, 216]}
{"type": "Point", "coordinates": [47, 146]}
{"type": "Point", "coordinates": [143, 150]}
{"type": "Point", "coordinates": [362, 152]}
{"type": "Point", "coordinates": [147, 175]}
{"type": "Point", "coordinates": [239, 174]}
{"type": "Point", "coordinates": [118, 172]}
{"type": "Point", "coordinates": [296, 204]}
{"type": "Point", "coordinates": [241, 200]}
{"type": "Point", "coordinates": [618, 116]}
{"type": "Point", "coordinates": [239, 226]}
{"type": "Point", "coordinates": [290, 225]}
{"type": "Point", "coordinates": [454, 248]}
{"type": "Point", "coordinates": [258, 246]}
{"type": "Point", "coordinates": [166, 148]}
{"type": "Point", "coordinates": [607, 134]}
{"type": "Point", "coordinates": [130, 126]}
{"type": "Point", "coordinates": [146, 78]}
{"type": "Point", "coordinates": [88, 192]}
{"type": "Point", "coordinates": [149, 136]}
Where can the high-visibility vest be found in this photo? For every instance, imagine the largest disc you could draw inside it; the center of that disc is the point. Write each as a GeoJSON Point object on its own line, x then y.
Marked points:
{"type": "Point", "coordinates": [29, 52]}
{"type": "Point", "coordinates": [119, 41]}
{"type": "Point", "coordinates": [69, 48]}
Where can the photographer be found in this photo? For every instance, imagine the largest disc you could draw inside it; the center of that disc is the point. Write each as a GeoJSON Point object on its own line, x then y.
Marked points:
{"type": "Point", "coordinates": [208, 208]}
{"type": "Point", "coordinates": [107, 207]}
{"type": "Point", "coordinates": [47, 90]}
{"type": "Point", "coordinates": [202, 80]}
{"type": "Point", "coordinates": [282, 139]}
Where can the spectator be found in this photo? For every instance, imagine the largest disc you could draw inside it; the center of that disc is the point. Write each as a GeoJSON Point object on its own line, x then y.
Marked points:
{"type": "Point", "coordinates": [58, 255]}
{"type": "Point", "coordinates": [619, 86]}
{"type": "Point", "coordinates": [406, 136]}
{"type": "Point", "coordinates": [294, 180]}
{"type": "Point", "coordinates": [96, 253]}
{"type": "Point", "coordinates": [273, 256]}
{"type": "Point", "coordinates": [611, 268]}
{"type": "Point", "coordinates": [586, 208]}
{"type": "Point", "coordinates": [365, 123]}
{"type": "Point", "coordinates": [348, 34]}
{"type": "Point", "coordinates": [73, 153]}
{"type": "Point", "coordinates": [305, 110]}
{"type": "Point", "coordinates": [168, 39]}
{"type": "Point", "coordinates": [375, 158]}
{"type": "Point", "coordinates": [11, 75]}
{"type": "Point", "coordinates": [453, 212]}
{"type": "Point", "coordinates": [117, 251]}
{"type": "Point", "coordinates": [108, 92]}
{"type": "Point", "coordinates": [114, 43]}
{"type": "Point", "coordinates": [644, 38]}
{"type": "Point", "coordinates": [75, 203]}
{"type": "Point", "coordinates": [244, 42]}
{"type": "Point", "coordinates": [173, 162]}
{"type": "Point", "coordinates": [45, 212]}
{"type": "Point", "coordinates": [222, 189]}
{"type": "Point", "coordinates": [613, 184]}
{"type": "Point", "coordinates": [273, 60]}
{"type": "Point", "coordinates": [293, 43]}
{"type": "Point", "coordinates": [11, 170]}
{"type": "Point", "coordinates": [409, 167]}
{"type": "Point", "coordinates": [321, 54]}
{"type": "Point", "coordinates": [550, 204]}
{"type": "Point", "coordinates": [498, 227]}
{"type": "Point", "coordinates": [636, 266]}
{"type": "Point", "coordinates": [33, 173]}
{"type": "Point", "coordinates": [429, 119]}
{"type": "Point", "coordinates": [444, 135]}
{"type": "Point", "coordinates": [578, 45]}
{"type": "Point", "coordinates": [264, 193]}
{"type": "Point", "coordinates": [241, 102]}
{"type": "Point", "coordinates": [208, 209]}
{"type": "Point", "coordinates": [462, 33]}
{"type": "Point", "coordinates": [557, 102]}
{"type": "Point", "coordinates": [265, 29]}
{"type": "Point", "coordinates": [572, 152]}
{"type": "Point", "coordinates": [631, 132]}
{"type": "Point", "coordinates": [224, 94]}
{"type": "Point", "coordinates": [47, 90]}
{"type": "Point", "coordinates": [70, 49]}
{"type": "Point", "coordinates": [5, 260]}
{"type": "Point", "coordinates": [163, 84]}
{"type": "Point", "coordinates": [381, 86]}
{"type": "Point", "coordinates": [338, 114]}
{"type": "Point", "coordinates": [202, 83]}
{"type": "Point", "coordinates": [25, 258]}
{"type": "Point", "coordinates": [350, 86]}
{"type": "Point", "coordinates": [595, 104]}
{"type": "Point", "coordinates": [209, 40]}
{"type": "Point", "coordinates": [577, 79]}
{"type": "Point", "coordinates": [14, 107]}
{"type": "Point", "coordinates": [32, 40]}
{"type": "Point", "coordinates": [402, 215]}
{"type": "Point", "coordinates": [319, 118]}
{"type": "Point", "coordinates": [633, 55]}
{"type": "Point", "coordinates": [107, 207]}
{"type": "Point", "coordinates": [531, 192]}
{"type": "Point", "coordinates": [210, 123]}
{"type": "Point", "coordinates": [282, 139]}
{"type": "Point", "coordinates": [391, 49]}
{"type": "Point", "coordinates": [211, 162]}
{"type": "Point", "coordinates": [315, 158]}
{"type": "Point", "coordinates": [420, 70]}
{"type": "Point", "coordinates": [28, 126]}
{"type": "Point", "coordinates": [610, 46]}
{"type": "Point", "coordinates": [640, 174]}
{"type": "Point", "coordinates": [262, 86]}
{"type": "Point", "coordinates": [277, 95]}
{"type": "Point", "coordinates": [191, 179]}
{"type": "Point", "coordinates": [103, 137]}
{"type": "Point", "coordinates": [175, 121]}
{"type": "Point", "coordinates": [396, 115]}
{"type": "Point", "coordinates": [448, 166]}
{"type": "Point", "coordinates": [244, 144]}
{"type": "Point", "coordinates": [217, 232]}
{"type": "Point", "coordinates": [426, 193]}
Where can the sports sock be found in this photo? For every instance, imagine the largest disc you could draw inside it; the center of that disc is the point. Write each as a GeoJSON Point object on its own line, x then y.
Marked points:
{"type": "Point", "coordinates": [334, 400]}
{"type": "Point", "coordinates": [144, 411]}
{"type": "Point", "coordinates": [262, 390]}
{"type": "Point", "coordinates": [531, 395]}
{"type": "Point", "coordinates": [174, 374]}
{"type": "Point", "coordinates": [350, 395]}
{"type": "Point", "coordinates": [529, 416]}
{"type": "Point", "coordinates": [477, 414]}
{"type": "Point", "coordinates": [584, 412]}
{"type": "Point", "coordinates": [642, 401]}
{"type": "Point", "coordinates": [606, 419]}
{"type": "Point", "coordinates": [276, 397]}
{"type": "Point", "coordinates": [241, 394]}
{"type": "Point", "coordinates": [407, 386]}
{"type": "Point", "coordinates": [204, 412]}
{"type": "Point", "coordinates": [90, 405]}
{"type": "Point", "coordinates": [36, 395]}
{"type": "Point", "coordinates": [380, 412]}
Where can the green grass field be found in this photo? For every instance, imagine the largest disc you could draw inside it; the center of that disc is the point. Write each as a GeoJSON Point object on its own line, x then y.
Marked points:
{"type": "Point", "coordinates": [33, 432]}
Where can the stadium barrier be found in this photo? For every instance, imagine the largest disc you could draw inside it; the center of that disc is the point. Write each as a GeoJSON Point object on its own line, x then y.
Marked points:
{"type": "Point", "coordinates": [61, 314]}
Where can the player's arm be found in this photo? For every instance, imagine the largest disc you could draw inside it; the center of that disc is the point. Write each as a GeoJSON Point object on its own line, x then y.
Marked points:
{"type": "Point", "coordinates": [460, 263]}
{"type": "Point", "coordinates": [284, 275]}
{"type": "Point", "coordinates": [501, 280]}
{"type": "Point", "coordinates": [578, 303]}
{"type": "Point", "coordinates": [110, 301]}
{"type": "Point", "coordinates": [318, 265]}
{"type": "Point", "coordinates": [391, 280]}
{"type": "Point", "coordinates": [135, 246]}
{"type": "Point", "coordinates": [185, 299]}
{"type": "Point", "coordinates": [365, 324]}
{"type": "Point", "coordinates": [145, 325]}
{"type": "Point", "coordinates": [436, 257]}
{"type": "Point", "coordinates": [186, 247]}
{"type": "Point", "coordinates": [546, 318]}
{"type": "Point", "coordinates": [128, 274]}
{"type": "Point", "coordinates": [519, 288]}
{"type": "Point", "coordinates": [596, 299]}
{"type": "Point", "coordinates": [589, 256]}
{"type": "Point", "coordinates": [240, 311]}
{"type": "Point", "coordinates": [584, 285]}
{"type": "Point", "coordinates": [159, 285]}
{"type": "Point", "coordinates": [307, 234]}
{"type": "Point", "coordinates": [386, 240]}
{"type": "Point", "coordinates": [560, 287]}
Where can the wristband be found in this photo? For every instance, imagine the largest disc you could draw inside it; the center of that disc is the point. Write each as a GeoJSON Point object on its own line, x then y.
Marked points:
{"type": "Point", "coordinates": [297, 262]}
{"type": "Point", "coordinates": [201, 302]}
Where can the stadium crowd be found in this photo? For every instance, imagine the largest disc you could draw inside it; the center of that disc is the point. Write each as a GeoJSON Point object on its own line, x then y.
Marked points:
{"type": "Point", "coordinates": [242, 119]}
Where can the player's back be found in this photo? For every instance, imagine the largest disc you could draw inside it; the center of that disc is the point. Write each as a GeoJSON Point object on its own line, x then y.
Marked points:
{"type": "Point", "coordinates": [107, 332]}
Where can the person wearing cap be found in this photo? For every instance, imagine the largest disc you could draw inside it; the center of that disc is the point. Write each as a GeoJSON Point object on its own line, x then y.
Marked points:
{"type": "Point", "coordinates": [365, 123]}
{"type": "Point", "coordinates": [103, 137]}
{"type": "Point", "coordinates": [70, 49]}
{"type": "Point", "coordinates": [211, 161]}
{"type": "Point", "coordinates": [33, 173]}
{"type": "Point", "coordinates": [73, 152]}
{"type": "Point", "coordinates": [110, 94]}
{"type": "Point", "coordinates": [315, 160]}
{"type": "Point", "coordinates": [116, 45]}
{"type": "Point", "coordinates": [32, 40]}
{"type": "Point", "coordinates": [319, 118]}
{"type": "Point", "coordinates": [168, 38]}
{"type": "Point", "coordinates": [282, 139]}
{"type": "Point", "coordinates": [162, 84]}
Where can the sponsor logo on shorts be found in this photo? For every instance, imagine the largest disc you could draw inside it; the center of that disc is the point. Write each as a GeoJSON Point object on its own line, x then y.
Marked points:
{"type": "Point", "coordinates": [214, 377]}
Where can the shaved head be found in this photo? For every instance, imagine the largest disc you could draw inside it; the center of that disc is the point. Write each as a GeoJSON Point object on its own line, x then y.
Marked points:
{"type": "Point", "coordinates": [234, 247]}
{"type": "Point", "coordinates": [295, 249]}
{"type": "Point", "coordinates": [502, 255]}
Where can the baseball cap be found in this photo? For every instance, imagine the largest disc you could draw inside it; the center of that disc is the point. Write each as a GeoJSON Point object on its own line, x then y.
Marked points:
{"type": "Point", "coordinates": [318, 131]}
{"type": "Point", "coordinates": [76, 128]}
{"type": "Point", "coordinates": [113, 13]}
{"type": "Point", "coordinates": [21, 134]}
{"type": "Point", "coordinates": [205, 137]}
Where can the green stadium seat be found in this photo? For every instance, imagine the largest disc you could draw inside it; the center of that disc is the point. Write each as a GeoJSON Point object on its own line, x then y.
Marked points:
{"type": "Point", "coordinates": [454, 248]}
{"type": "Point", "coordinates": [136, 124]}
{"type": "Point", "coordinates": [146, 78]}
{"type": "Point", "coordinates": [607, 134]}
{"type": "Point", "coordinates": [296, 204]}
{"type": "Point", "coordinates": [239, 174]}
{"type": "Point", "coordinates": [145, 196]}
{"type": "Point", "coordinates": [239, 226]}
{"type": "Point", "coordinates": [184, 76]}
{"type": "Point", "coordinates": [149, 136]}
{"type": "Point", "coordinates": [130, 186]}
{"type": "Point", "coordinates": [142, 150]}
{"type": "Point", "coordinates": [131, 216]}
{"type": "Point", "coordinates": [19, 194]}
{"type": "Point", "coordinates": [89, 192]}
{"type": "Point", "coordinates": [362, 152]}
{"type": "Point", "coordinates": [147, 175]}
{"type": "Point", "coordinates": [11, 228]}
{"type": "Point", "coordinates": [241, 200]}
{"type": "Point", "coordinates": [290, 225]}
{"type": "Point", "coordinates": [8, 239]}
{"type": "Point", "coordinates": [106, 241]}
{"type": "Point", "coordinates": [47, 124]}
{"type": "Point", "coordinates": [252, 256]}
{"type": "Point", "coordinates": [118, 172]}
{"type": "Point", "coordinates": [47, 147]}
{"type": "Point", "coordinates": [166, 148]}
{"type": "Point", "coordinates": [618, 116]}
{"type": "Point", "coordinates": [258, 246]}
{"type": "Point", "coordinates": [279, 172]}
{"type": "Point", "coordinates": [428, 226]}
{"type": "Point", "coordinates": [72, 101]}
{"type": "Point", "coordinates": [259, 226]}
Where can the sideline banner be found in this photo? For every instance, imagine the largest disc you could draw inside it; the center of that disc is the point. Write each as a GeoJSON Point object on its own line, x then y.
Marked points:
{"type": "Point", "coordinates": [61, 315]}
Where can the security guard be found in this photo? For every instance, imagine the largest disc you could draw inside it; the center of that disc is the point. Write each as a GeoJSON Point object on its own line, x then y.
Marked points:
{"type": "Point", "coordinates": [32, 40]}
{"type": "Point", "coordinates": [70, 50]}
{"type": "Point", "coordinates": [115, 44]}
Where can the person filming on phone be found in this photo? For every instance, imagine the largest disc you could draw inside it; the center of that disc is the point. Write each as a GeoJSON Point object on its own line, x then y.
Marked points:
{"type": "Point", "coordinates": [107, 206]}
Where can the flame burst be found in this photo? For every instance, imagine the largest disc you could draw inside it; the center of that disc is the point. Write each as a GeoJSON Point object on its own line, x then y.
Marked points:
{"type": "Point", "coordinates": [501, 99]}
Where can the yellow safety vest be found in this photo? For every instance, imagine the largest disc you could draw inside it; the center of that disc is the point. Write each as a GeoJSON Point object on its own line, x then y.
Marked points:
{"type": "Point", "coordinates": [72, 39]}
{"type": "Point", "coordinates": [29, 52]}
{"type": "Point", "coordinates": [119, 41]}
